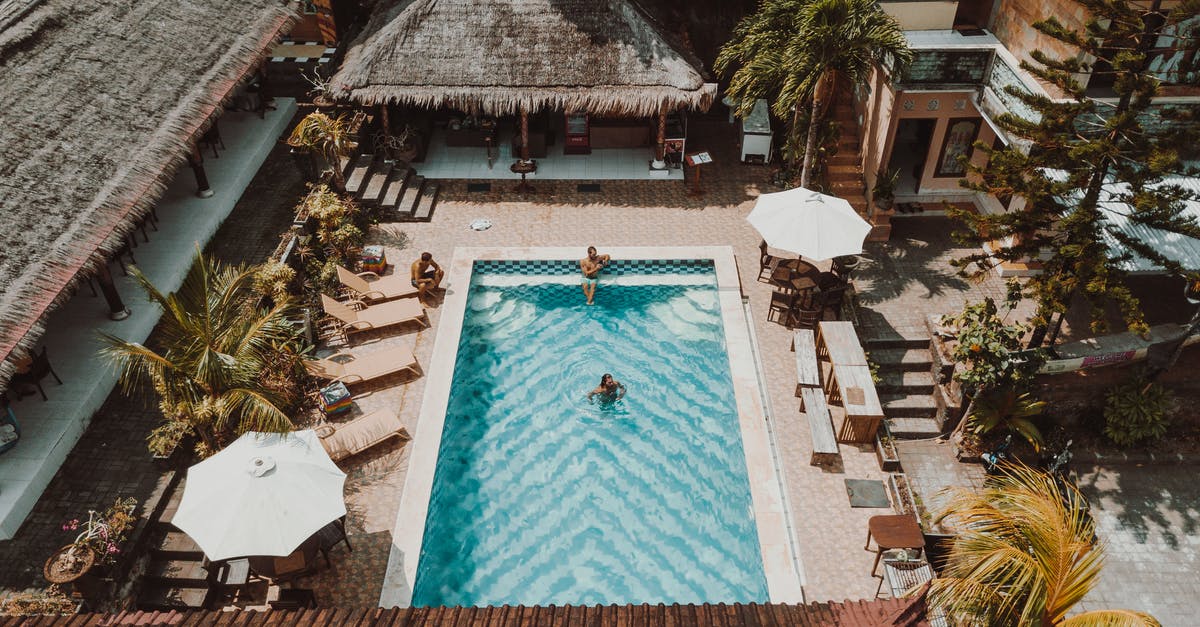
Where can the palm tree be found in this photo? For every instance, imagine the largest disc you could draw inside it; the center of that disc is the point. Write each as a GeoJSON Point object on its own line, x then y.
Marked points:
{"type": "Point", "coordinates": [329, 137]}
{"type": "Point", "coordinates": [216, 345]}
{"type": "Point", "coordinates": [798, 51]}
{"type": "Point", "coordinates": [1025, 555]}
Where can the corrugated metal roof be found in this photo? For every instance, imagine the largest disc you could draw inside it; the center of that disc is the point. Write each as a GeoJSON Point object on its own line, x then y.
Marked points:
{"type": "Point", "coordinates": [1181, 248]}
{"type": "Point", "coordinates": [889, 612]}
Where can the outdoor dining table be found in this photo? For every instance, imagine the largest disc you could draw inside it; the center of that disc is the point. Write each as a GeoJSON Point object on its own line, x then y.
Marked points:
{"type": "Point", "coordinates": [854, 387]}
{"type": "Point", "coordinates": [838, 341]}
{"type": "Point", "coordinates": [796, 275]}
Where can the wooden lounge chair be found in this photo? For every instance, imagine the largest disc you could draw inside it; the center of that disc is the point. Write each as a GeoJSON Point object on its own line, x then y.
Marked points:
{"type": "Point", "coordinates": [379, 287]}
{"type": "Point", "coordinates": [351, 438]}
{"type": "Point", "coordinates": [355, 368]}
{"type": "Point", "coordinates": [376, 316]}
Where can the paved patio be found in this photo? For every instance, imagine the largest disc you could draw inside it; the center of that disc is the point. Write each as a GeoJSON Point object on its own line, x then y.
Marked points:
{"type": "Point", "coordinates": [633, 213]}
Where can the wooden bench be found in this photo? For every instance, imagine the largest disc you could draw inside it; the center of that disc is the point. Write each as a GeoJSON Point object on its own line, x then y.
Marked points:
{"type": "Point", "coordinates": [808, 373]}
{"type": "Point", "coordinates": [825, 446]}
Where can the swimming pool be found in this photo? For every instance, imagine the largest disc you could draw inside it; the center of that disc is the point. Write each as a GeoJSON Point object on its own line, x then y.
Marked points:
{"type": "Point", "coordinates": [541, 497]}
{"type": "Point", "coordinates": [522, 492]}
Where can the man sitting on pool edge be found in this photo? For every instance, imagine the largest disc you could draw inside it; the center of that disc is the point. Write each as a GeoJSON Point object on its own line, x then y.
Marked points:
{"type": "Point", "coordinates": [591, 267]}
{"type": "Point", "coordinates": [426, 275]}
{"type": "Point", "coordinates": [609, 391]}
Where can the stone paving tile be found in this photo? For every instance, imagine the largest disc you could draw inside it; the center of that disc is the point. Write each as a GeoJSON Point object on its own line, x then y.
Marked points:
{"type": "Point", "coordinates": [909, 277]}
{"type": "Point", "coordinates": [1148, 518]}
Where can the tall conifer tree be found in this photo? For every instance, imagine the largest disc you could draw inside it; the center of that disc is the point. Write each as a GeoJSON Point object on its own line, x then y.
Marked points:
{"type": "Point", "coordinates": [1088, 153]}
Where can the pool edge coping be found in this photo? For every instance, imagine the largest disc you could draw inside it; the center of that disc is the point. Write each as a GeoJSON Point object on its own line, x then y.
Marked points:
{"type": "Point", "coordinates": [770, 514]}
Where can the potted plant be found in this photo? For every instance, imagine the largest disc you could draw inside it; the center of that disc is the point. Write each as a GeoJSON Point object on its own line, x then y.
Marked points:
{"type": "Point", "coordinates": [320, 88]}
{"type": "Point", "coordinates": [884, 191]}
{"type": "Point", "coordinates": [403, 145]}
{"type": "Point", "coordinates": [885, 450]}
{"type": "Point", "coordinates": [98, 543]}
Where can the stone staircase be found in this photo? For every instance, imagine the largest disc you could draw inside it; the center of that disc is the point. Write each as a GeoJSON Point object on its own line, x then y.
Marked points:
{"type": "Point", "coordinates": [396, 188]}
{"type": "Point", "coordinates": [175, 576]}
{"type": "Point", "coordinates": [907, 387]}
{"type": "Point", "coordinates": [844, 170]}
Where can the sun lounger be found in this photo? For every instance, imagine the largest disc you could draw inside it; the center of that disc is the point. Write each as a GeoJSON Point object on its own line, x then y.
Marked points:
{"type": "Point", "coordinates": [355, 368]}
{"type": "Point", "coordinates": [351, 438]}
{"type": "Point", "coordinates": [378, 288]}
{"type": "Point", "coordinates": [375, 316]}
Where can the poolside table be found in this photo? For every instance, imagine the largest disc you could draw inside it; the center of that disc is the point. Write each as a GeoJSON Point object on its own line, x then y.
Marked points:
{"type": "Point", "coordinates": [838, 341]}
{"type": "Point", "coordinates": [854, 387]}
{"type": "Point", "coordinates": [901, 531]}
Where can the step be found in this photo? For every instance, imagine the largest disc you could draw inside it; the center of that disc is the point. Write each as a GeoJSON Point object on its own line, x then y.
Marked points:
{"type": "Point", "coordinates": [847, 173]}
{"type": "Point", "coordinates": [373, 191]}
{"type": "Point", "coordinates": [397, 180]}
{"type": "Point", "coordinates": [181, 573]}
{"type": "Point", "coordinates": [357, 177]}
{"type": "Point", "coordinates": [177, 545]}
{"type": "Point", "coordinates": [894, 341]}
{"type": "Point", "coordinates": [426, 202]}
{"type": "Point", "coordinates": [904, 382]}
{"type": "Point", "coordinates": [164, 598]}
{"type": "Point", "coordinates": [845, 158]}
{"type": "Point", "coordinates": [902, 359]}
{"type": "Point", "coordinates": [412, 193]}
{"type": "Point", "coordinates": [908, 406]}
{"type": "Point", "coordinates": [846, 188]}
{"type": "Point", "coordinates": [914, 428]}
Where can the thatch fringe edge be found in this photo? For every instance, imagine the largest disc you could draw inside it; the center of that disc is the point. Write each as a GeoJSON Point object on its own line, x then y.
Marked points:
{"type": "Point", "coordinates": [611, 100]}
{"type": "Point", "coordinates": [126, 199]}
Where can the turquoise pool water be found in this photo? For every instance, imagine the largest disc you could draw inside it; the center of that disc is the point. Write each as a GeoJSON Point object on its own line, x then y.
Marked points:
{"type": "Point", "coordinates": [540, 497]}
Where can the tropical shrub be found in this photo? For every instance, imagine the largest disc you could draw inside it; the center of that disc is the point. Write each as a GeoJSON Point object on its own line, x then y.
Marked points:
{"type": "Point", "coordinates": [50, 601]}
{"type": "Point", "coordinates": [1136, 411]}
{"type": "Point", "coordinates": [216, 341]}
{"type": "Point", "coordinates": [988, 347]}
{"type": "Point", "coordinates": [1025, 554]}
{"type": "Point", "coordinates": [274, 279]}
{"type": "Point", "coordinates": [328, 136]}
{"type": "Point", "coordinates": [1010, 409]}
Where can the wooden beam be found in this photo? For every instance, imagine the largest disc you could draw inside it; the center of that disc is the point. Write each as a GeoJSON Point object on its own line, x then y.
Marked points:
{"type": "Point", "coordinates": [116, 307]}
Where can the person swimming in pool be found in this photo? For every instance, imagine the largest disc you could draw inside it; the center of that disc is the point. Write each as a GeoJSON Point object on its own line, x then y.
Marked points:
{"type": "Point", "coordinates": [609, 391]}
{"type": "Point", "coordinates": [591, 267]}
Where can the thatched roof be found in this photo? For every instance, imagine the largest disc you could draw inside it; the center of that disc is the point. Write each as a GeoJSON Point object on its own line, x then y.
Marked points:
{"type": "Point", "coordinates": [99, 104]}
{"type": "Point", "coordinates": [499, 56]}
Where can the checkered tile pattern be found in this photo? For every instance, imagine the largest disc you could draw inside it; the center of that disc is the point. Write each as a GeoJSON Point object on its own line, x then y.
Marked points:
{"type": "Point", "coordinates": [558, 267]}
{"type": "Point", "coordinates": [291, 52]}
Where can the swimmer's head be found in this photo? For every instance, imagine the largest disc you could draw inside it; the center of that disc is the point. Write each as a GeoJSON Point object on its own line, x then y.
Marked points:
{"type": "Point", "coordinates": [606, 380]}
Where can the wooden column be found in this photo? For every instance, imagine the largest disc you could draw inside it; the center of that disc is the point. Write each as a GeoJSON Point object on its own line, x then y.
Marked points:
{"type": "Point", "coordinates": [116, 307]}
{"type": "Point", "coordinates": [203, 189]}
{"type": "Point", "coordinates": [524, 134]}
{"type": "Point", "coordinates": [661, 146]}
{"type": "Point", "coordinates": [387, 124]}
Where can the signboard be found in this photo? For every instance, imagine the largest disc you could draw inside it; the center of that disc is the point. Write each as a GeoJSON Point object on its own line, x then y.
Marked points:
{"type": "Point", "coordinates": [698, 158]}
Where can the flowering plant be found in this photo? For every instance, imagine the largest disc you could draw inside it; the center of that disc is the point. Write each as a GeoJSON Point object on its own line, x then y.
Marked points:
{"type": "Point", "coordinates": [104, 531]}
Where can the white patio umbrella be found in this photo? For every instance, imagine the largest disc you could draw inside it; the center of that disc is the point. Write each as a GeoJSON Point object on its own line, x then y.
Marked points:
{"type": "Point", "coordinates": [264, 494]}
{"type": "Point", "coordinates": [808, 223]}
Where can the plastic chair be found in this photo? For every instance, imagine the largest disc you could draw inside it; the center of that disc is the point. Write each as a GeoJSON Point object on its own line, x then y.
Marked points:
{"type": "Point", "coordinates": [38, 369]}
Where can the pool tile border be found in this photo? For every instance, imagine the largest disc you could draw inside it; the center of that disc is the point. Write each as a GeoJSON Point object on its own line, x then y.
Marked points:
{"type": "Point", "coordinates": [783, 582]}
{"type": "Point", "coordinates": [557, 267]}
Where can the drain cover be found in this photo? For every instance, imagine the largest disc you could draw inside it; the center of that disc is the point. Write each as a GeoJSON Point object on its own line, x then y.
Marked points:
{"type": "Point", "coordinates": [866, 493]}
{"type": "Point", "coordinates": [482, 224]}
